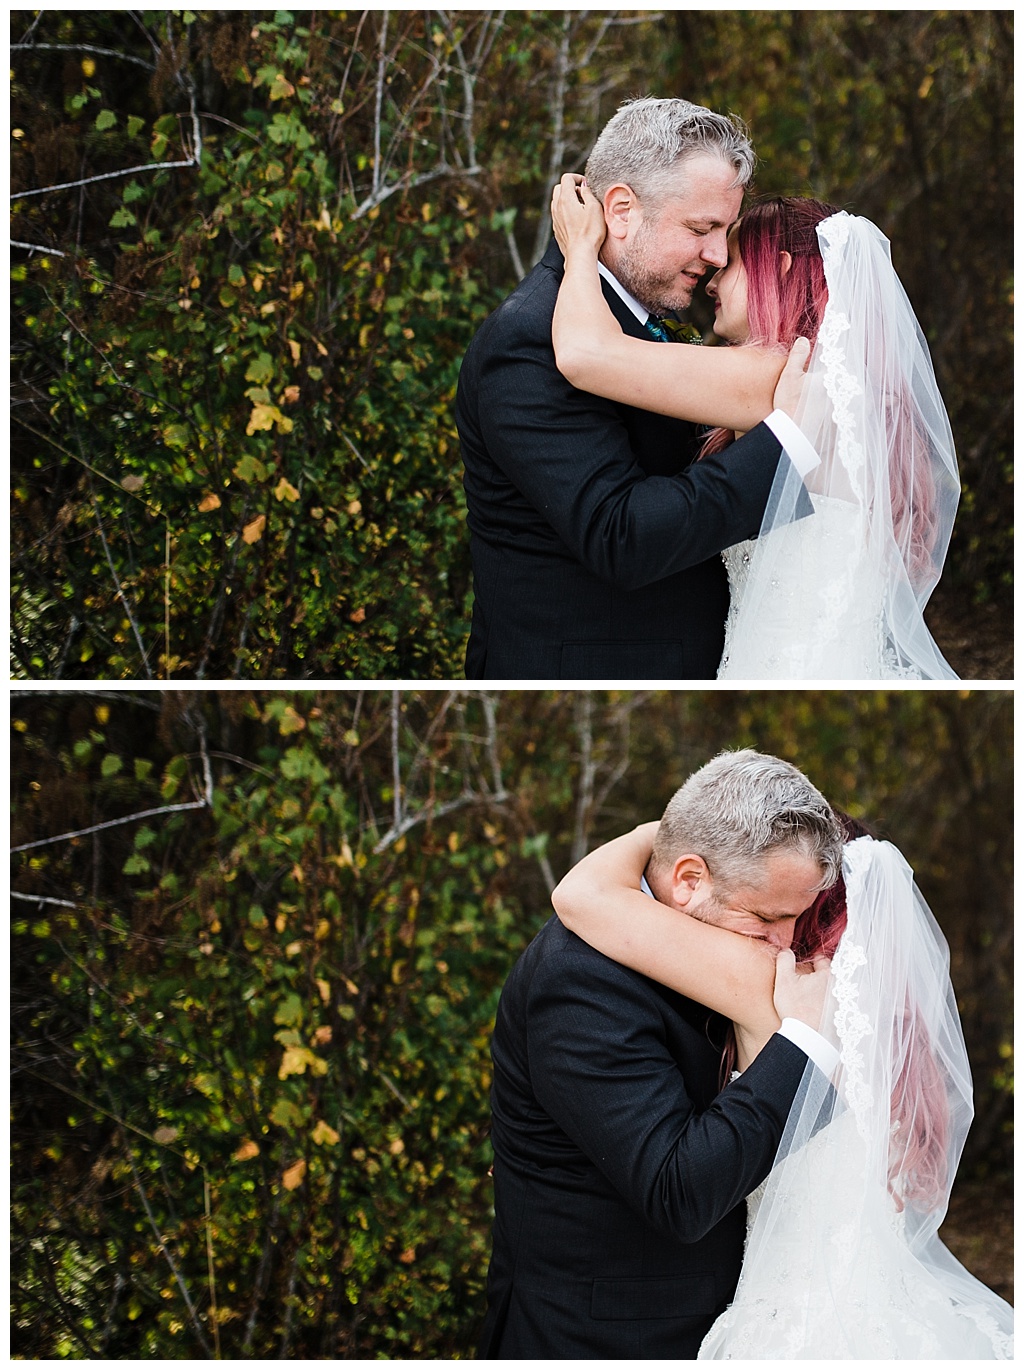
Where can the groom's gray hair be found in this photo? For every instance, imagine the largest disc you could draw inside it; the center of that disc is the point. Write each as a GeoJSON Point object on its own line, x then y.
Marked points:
{"type": "Point", "coordinates": [740, 807]}
{"type": "Point", "coordinates": [643, 144]}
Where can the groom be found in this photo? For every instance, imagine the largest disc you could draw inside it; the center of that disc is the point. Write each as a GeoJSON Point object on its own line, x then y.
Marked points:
{"type": "Point", "coordinates": [620, 1167]}
{"type": "Point", "coordinates": [594, 536]}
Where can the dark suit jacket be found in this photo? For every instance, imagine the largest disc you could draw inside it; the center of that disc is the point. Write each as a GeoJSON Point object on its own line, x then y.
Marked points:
{"type": "Point", "coordinates": [594, 540]}
{"type": "Point", "coordinates": [620, 1170]}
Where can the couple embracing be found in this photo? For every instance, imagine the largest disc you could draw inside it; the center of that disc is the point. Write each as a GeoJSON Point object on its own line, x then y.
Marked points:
{"type": "Point", "coordinates": [643, 511]}
{"type": "Point", "coordinates": [730, 1095]}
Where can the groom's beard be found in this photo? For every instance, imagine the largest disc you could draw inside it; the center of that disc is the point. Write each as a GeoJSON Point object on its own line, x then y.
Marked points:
{"type": "Point", "coordinates": [658, 288]}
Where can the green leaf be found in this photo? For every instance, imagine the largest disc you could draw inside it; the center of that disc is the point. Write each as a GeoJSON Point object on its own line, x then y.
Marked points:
{"type": "Point", "coordinates": [106, 119]}
{"type": "Point", "coordinates": [111, 765]}
{"type": "Point", "coordinates": [135, 865]}
{"type": "Point", "coordinates": [135, 125]}
{"type": "Point", "coordinates": [122, 218]}
{"type": "Point", "coordinates": [260, 369]}
{"type": "Point", "coordinates": [250, 469]}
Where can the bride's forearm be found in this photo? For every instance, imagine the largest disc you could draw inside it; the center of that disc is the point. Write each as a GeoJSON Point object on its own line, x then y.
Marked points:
{"type": "Point", "coordinates": [731, 387]}
{"type": "Point", "coordinates": [600, 900]}
{"type": "Point", "coordinates": [583, 324]}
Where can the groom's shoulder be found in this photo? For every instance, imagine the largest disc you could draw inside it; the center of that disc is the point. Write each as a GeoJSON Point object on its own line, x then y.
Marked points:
{"type": "Point", "coordinates": [558, 958]}
{"type": "Point", "coordinates": [529, 307]}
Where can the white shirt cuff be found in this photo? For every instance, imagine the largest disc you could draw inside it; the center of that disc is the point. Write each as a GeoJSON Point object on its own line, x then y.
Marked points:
{"type": "Point", "coordinates": [797, 447]}
{"type": "Point", "coordinates": [811, 1043]}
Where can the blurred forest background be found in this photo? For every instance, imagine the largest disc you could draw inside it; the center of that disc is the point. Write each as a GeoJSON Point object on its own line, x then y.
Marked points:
{"type": "Point", "coordinates": [251, 248]}
{"type": "Point", "coordinates": [251, 1023]}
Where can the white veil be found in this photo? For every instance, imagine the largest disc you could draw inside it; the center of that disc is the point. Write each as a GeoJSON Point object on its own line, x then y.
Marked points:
{"type": "Point", "coordinates": [843, 1260]}
{"type": "Point", "coordinates": [887, 481]}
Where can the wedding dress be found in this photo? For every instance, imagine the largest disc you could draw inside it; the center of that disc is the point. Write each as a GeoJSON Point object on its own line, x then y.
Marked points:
{"type": "Point", "coordinates": [839, 593]}
{"type": "Point", "coordinates": [843, 1261]}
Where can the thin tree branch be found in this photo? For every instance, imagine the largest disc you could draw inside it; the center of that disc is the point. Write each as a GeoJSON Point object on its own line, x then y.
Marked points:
{"type": "Point", "coordinates": [35, 247]}
{"type": "Point", "coordinates": [81, 47]}
{"type": "Point", "coordinates": [104, 176]}
{"type": "Point", "coordinates": [111, 823]}
{"type": "Point", "coordinates": [162, 1245]}
{"type": "Point", "coordinates": [41, 899]}
{"type": "Point", "coordinates": [120, 592]}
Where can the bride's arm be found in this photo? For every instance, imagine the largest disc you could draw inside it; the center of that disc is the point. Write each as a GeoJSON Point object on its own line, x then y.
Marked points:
{"type": "Point", "coordinates": [601, 901]}
{"type": "Point", "coordinates": [731, 387]}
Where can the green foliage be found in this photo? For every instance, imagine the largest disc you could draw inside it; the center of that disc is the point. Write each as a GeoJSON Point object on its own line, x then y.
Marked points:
{"type": "Point", "coordinates": [235, 452]}
{"type": "Point", "coordinates": [278, 1008]}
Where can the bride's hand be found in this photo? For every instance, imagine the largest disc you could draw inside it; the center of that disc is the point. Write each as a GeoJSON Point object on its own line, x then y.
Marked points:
{"type": "Point", "coordinates": [800, 990]}
{"type": "Point", "coordinates": [577, 215]}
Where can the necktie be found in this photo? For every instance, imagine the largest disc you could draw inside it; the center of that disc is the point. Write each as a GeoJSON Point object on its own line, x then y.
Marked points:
{"type": "Point", "coordinates": [656, 328]}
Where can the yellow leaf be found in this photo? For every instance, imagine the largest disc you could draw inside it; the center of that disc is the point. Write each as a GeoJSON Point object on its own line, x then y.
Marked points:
{"type": "Point", "coordinates": [281, 88]}
{"type": "Point", "coordinates": [262, 418]}
{"type": "Point", "coordinates": [364, 334]}
{"type": "Point", "coordinates": [408, 1255]}
{"type": "Point", "coordinates": [397, 971]}
{"type": "Point", "coordinates": [252, 532]}
{"type": "Point", "coordinates": [324, 990]}
{"type": "Point", "coordinates": [397, 1147]}
{"type": "Point", "coordinates": [296, 290]}
{"type": "Point", "coordinates": [294, 1062]}
{"type": "Point", "coordinates": [257, 282]}
{"type": "Point", "coordinates": [353, 507]}
{"type": "Point", "coordinates": [322, 1035]}
{"type": "Point", "coordinates": [209, 502]}
{"type": "Point", "coordinates": [194, 283]}
{"type": "Point", "coordinates": [88, 67]}
{"type": "Point", "coordinates": [286, 491]}
{"type": "Point", "coordinates": [295, 350]}
{"type": "Point", "coordinates": [453, 841]}
{"type": "Point", "coordinates": [290, 394]}
{"type": "Point", "coordinates": [324, 1135]}
{"type": "Point", "coordinates": [321, 349]}
{"type": "Point", "coordinates": [323, 930]}
{"type": "Point", "coordinates": [246, 1151]}
{"type": "Point", "coordinates": [294, 1175]}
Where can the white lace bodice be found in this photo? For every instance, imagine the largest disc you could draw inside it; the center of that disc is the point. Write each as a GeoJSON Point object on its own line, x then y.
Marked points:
{"type": "Point", "coordinates": [822, 617]}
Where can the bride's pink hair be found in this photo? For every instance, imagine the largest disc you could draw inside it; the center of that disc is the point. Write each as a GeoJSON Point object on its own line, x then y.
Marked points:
{"type": "Point", "coordinates": [784, 306]}
{"type": "Point", "coordinates": [918, 1149]}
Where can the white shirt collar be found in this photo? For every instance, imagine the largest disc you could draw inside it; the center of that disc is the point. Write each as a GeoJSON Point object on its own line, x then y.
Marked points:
{"type": "Point", "coordinates": [634, 305]}
{"type": "Point", "coordinates": [645, 886]}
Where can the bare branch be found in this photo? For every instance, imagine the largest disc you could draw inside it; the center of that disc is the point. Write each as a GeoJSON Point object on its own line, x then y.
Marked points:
{"type": "Point", "coordinates": [41, 899]}
{"type": "Point", "coordinates": [111, 823]}
{"type": "Point", "coordinates": [105, 176]}
{"type": "Point", "coordinates": [35, 247]}
{"type": "Point", "coordinates": [120, 592]}
{"type": "Point", "coordinates": [81, 47]}
{"type": "Point", "coordinates": [162, 1245]}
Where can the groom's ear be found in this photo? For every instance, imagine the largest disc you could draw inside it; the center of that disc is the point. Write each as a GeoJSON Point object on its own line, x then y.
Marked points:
{"type": "Point", "coordinates": [691, 880]}
{"type": "Point", "coordinates": [620, 208]}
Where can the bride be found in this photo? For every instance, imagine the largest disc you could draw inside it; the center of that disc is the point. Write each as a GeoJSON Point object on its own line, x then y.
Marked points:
{"type": "Point", "coordinates": [838, 593]}
{"type": "Point", "coordinates": [842, 1259]}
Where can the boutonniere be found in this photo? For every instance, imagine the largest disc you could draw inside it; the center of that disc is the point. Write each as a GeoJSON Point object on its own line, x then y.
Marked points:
{"type": "Point", "coordinates": [682, 332]}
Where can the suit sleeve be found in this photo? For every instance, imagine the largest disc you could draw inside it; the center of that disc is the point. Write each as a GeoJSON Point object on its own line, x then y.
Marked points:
{"type": "Point", "coordinates": [600, 1066]}
{"type": "Point", "coordinates": [568, 452]}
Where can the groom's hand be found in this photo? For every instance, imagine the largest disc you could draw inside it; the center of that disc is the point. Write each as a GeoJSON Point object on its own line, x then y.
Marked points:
{"type": "Point", "coordinates": [791, 382]}
{"type": "Point", "coordinates": [800, 990]}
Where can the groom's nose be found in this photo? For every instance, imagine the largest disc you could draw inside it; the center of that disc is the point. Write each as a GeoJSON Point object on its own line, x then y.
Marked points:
{"type": "Point", "coordinates": [715, 248]}
{"type": "Point", "coordinates": [780, 934]}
